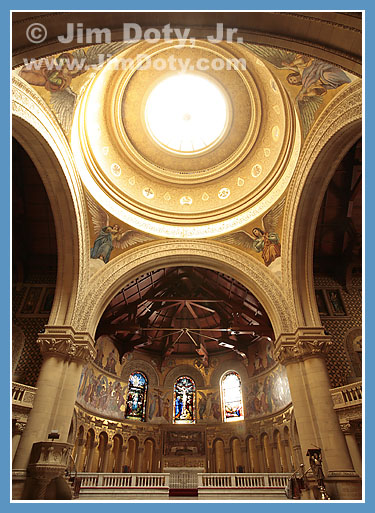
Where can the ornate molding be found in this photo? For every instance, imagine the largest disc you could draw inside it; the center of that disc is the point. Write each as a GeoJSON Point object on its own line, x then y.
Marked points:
{"type": "Point", "coordinates": [304, 343]}
{"type": "Point", "coordinates": [241, 266]}
{"type": "Point", "coordinates": [32, 110]}
{"type": "Point", "coordinates": [65, 342]}
{"type": "Point", "coordinates": [341, 113]}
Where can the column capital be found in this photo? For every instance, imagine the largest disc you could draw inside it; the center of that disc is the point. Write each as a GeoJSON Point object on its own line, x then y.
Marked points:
{"type": "Point", "coordinates": [67, 343]}
{"type": "Point", "coordinates": [346, 428]}
{"type": "Point", "coordinates": [304, 343]}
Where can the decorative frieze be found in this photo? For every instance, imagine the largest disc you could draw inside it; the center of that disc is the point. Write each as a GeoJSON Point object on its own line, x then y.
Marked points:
{"type": "Point", "coordinates": [65, 342]}
{"type": "Point", "coordinates": [304, 343]}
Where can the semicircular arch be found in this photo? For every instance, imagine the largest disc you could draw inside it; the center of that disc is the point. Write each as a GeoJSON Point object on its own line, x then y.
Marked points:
{"type": "Point", "coordinates": [35, 128]}
{"type": "Point", "coordinates": [209, 254]}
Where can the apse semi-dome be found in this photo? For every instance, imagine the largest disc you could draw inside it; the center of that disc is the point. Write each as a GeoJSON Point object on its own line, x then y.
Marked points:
{"type": "Point", "coordinates": [186, 153]}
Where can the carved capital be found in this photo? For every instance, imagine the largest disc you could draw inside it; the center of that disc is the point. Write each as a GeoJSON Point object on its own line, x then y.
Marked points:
{"type": "Point", "coordinates": [18, 427]}
{"type": "Point", "coordinates": [63, 341]}
{"type": "Point", "coordinates": [346, 428]}
{"type": "Point", "coordinates": [304, 343]}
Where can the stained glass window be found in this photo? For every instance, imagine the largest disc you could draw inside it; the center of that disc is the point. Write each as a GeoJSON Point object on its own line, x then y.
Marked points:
{"type": "Point", "coordinates": [184, 401]}
{"type": "Point", "coordinates": [231, 396]}
{"type": "Point", "coordinates": [136, 400]}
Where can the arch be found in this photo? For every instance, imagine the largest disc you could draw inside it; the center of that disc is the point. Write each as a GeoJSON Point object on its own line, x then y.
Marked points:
{"type": "Point", "coordinates": [115, 461]}
{"type": "Point", "coordinates": [237, 458]}
{"type": "Point", "coordinates": [335, 131]}
{"type": "Point", "coordinates": [231, 396]}
{"type": "Point", "coordinates": [88, 451]}
{"type": "Point", "coordinates": [78, 449]}
{"type": "Point", "coordinates": [226, 366]}
{"type": "Point", "coordinates": [219, 453]}
{"type": "Point", "coordinates": [38, 132]}
{"type": "Point", "coordinates": [204, 253]}
{"type": "Point", "coordinates": [131, 454]}
{"type": "Point", "coordinates": [148, 461]}
{"type": "Point", "coordinates": [143, 366]}
{"type": "Point", "coordinates": [102, 449]}
{"type": "Point", "coordinates": [252, 454]}
{"type": "Point", "coordinates": [181, 370]}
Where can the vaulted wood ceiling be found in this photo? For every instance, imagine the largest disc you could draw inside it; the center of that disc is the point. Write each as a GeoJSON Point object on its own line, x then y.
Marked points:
{"type": "Point", "coordinates": [185, 310]}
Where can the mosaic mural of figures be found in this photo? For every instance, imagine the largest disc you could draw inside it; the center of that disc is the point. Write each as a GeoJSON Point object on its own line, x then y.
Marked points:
{"type": "Point", "coordinates": [107, 357]}
{"type": "Point", "coordinates": [159, 411]}
{"type": "Point", "coordinates": [268, 394]}
{"type": "Point", "coordinates": [56, 75]}
{"type": "Point", "coordinates": [311, 77]}
{"type": "Point", "coordinates": [101, 395]}
{"type": "Point", "coordinates": [264, 240]}
{"type": "Point", "coordinates": [336, 302]}
{"type": "Point", "coordinates": [260, 357]}
{"type": "Point", "coordinates": [110, 236]}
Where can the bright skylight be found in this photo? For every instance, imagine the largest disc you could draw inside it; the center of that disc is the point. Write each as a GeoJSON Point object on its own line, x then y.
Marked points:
{"type": "Point", "coordinates": [186, 113]}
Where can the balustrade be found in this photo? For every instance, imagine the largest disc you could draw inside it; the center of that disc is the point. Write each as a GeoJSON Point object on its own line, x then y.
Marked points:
{"type": "Point", "coordinates": [348, 395]}
{"type": "Point", "coordinates": [242, 480]}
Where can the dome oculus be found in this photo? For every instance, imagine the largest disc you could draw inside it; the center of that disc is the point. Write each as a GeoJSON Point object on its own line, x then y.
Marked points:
{"type": "Point", "coordinates": [186, 113]}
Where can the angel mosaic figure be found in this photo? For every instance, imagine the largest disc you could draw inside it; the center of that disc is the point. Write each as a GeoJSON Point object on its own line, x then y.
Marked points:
{"type": "Point", "coordinates": [56, 75]}
{"type": "Point", "coordinates": [312, 76]}
{"type": "Point", "coordinates": [110, 236]}
{"type": "Point", "coordinates": [263, 240]}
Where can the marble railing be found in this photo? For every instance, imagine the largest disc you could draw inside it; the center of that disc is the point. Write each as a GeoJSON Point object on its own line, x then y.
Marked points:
{"type": "Point", "coordinates": [23, 395]}
{"type": "Point", "coordinates": [348, 395]}
{"type": "Point", "coordinates": [112, 480]}
{"type": "Point", "coordinates": [90, 485]}
{"type": "Point", "coordinates": [243, 480]}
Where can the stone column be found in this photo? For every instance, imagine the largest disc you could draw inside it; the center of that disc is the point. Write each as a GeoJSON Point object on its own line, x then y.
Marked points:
{"type": "Point", "coordinates": [79, 455]}
{"type": "Point", "coordinates": [245, 457]}
{"type": "Point", "coordinates": [17, 428]}
{"type": "Point", "coordinates": [140, 456]}
{"type": "Point", "coordinates": [64, 352]}
{"type": "Point", "coordinates": [261, 455]}
{"type": "Point", "coordinates": [107, 458]}
{"type": "Point", "coordinates": [276, 457]}
{"type": "Point", "coordinates": [285, 456]}
{"type": "Point", "coordinates": [228, 460]}
{"type": "Point", "coordinates": [303, 354]}
{"type": "Point", "coordinates": [354, 451]}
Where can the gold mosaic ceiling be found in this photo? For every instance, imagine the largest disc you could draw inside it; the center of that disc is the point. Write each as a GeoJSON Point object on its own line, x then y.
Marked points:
{"type": "Point", "coordinates": [175, 194]}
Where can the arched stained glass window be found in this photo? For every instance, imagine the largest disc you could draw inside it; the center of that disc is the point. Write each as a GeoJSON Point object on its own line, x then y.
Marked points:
{"type": "Point", "coordinates": [184, 401]}
{"type": "Point", "coordinates": [136, 400]}
{"type": "Point", "coordinates": [231, 397]}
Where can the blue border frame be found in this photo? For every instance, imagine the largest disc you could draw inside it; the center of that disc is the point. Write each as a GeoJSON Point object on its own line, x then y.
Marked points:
{"type": "Point", "coordinates": [195, 5]}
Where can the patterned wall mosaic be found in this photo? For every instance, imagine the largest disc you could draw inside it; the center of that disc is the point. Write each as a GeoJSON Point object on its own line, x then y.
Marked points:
{"type": "Point", "coordinates": [339, 367]}
{"type": "Point", "coordinates": [31, 304]}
